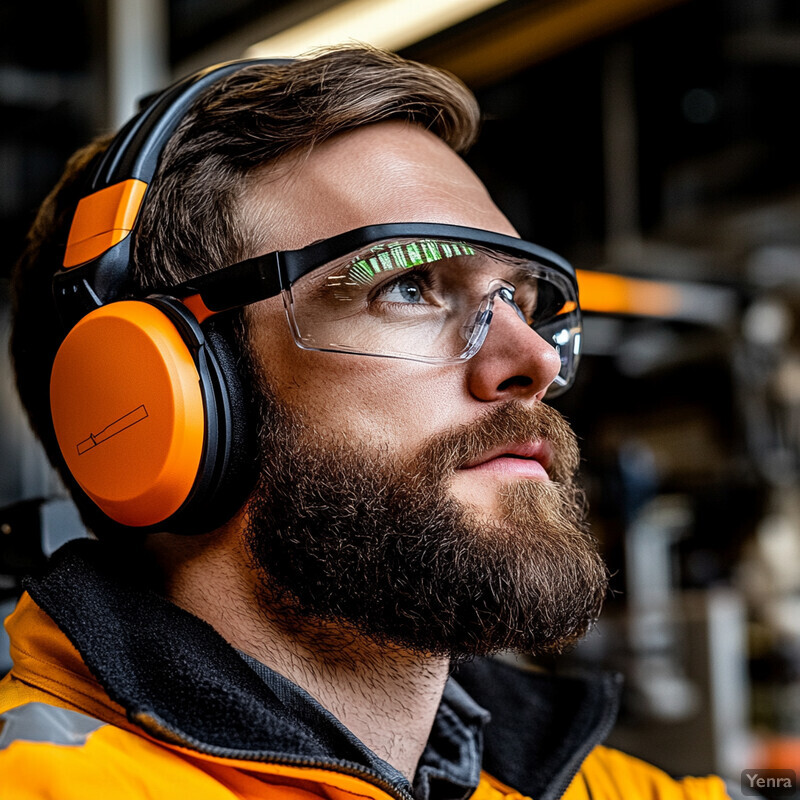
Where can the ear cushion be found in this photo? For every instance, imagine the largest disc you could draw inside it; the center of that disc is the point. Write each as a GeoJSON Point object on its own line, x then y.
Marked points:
{"type": "Point", "coordinates": [235, 471]}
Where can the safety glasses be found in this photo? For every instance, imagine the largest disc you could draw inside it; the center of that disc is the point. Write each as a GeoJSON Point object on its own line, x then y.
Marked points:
{"type": "Point", "coordinates": [417, 291]}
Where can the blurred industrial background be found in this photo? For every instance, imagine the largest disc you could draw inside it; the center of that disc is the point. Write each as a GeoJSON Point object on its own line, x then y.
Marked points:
{"type": "Point", "coordinates": [653, 143]}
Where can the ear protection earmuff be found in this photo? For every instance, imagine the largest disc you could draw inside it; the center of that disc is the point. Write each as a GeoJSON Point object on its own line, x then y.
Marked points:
{"type": "Point", "coordinates": [147, 404]}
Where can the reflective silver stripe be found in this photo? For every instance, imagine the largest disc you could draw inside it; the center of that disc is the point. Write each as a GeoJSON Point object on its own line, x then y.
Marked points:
{"type": "Point", "coordinates": [39, 722]}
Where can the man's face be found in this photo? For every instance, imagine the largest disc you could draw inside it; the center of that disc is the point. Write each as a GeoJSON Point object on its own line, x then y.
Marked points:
{"type": "Point", "coordinates": [427, 505]}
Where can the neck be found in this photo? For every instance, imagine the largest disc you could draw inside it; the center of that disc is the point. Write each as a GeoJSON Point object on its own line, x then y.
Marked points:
{"type": "Point", "coordinates": [387, 696]}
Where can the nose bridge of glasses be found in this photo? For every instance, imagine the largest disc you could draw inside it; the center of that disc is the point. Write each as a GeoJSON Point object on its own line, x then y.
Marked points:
{"type": "Point", "coordinates": [506, 291]}
{"type": "Point", "coordinates": [477, 328]}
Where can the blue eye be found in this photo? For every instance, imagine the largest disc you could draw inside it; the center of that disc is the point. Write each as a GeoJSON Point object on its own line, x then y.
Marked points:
{"type": "Point", "coordinates": [407, 289]}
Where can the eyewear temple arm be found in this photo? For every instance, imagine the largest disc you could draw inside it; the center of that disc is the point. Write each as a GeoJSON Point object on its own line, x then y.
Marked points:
{"type": "Point", "coordinates": [231, 287]}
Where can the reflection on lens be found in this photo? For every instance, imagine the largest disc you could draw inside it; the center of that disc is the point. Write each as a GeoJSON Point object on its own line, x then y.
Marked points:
{"type": "Point", "coordinates": [399, 255]}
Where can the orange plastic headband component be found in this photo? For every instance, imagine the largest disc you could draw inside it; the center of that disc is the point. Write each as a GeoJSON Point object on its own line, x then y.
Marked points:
{"type": "Point", "coordinates": [102, 220]}
{"type": "Point", "coordinates": [198, 308]}
{"type": "Point", "coordinates": [128, 412]}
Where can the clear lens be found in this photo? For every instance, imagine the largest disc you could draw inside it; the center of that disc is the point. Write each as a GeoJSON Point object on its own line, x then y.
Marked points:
{"type": "Point", "coordinates": [428, 300]}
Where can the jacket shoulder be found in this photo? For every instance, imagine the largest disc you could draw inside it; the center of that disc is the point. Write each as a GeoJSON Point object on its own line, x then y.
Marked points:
{"type": "Point", "coordinates": [609, 774]}
{"type": "Point", "coordinates": [49, 751]}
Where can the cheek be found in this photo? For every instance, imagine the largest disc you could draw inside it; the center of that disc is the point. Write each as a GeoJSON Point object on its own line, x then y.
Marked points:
{"type": "Point", "coordinates": [380, 401]}
{"type": "Point", "coordinates": [383, 402]}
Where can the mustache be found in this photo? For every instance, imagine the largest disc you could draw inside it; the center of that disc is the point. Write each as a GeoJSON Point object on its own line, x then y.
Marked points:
{"type": "Point", "coordinates": [502, 425]}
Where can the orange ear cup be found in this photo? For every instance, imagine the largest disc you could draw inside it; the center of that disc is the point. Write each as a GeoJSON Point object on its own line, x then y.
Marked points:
{"type": "Point", "coordinates": [128, 412]}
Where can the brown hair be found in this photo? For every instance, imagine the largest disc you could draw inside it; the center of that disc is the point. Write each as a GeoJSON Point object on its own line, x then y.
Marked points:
{"type": "Point", "coordinates": [190, 222]}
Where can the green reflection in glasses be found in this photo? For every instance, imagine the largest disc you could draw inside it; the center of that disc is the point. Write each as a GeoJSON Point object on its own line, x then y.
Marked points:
{"type": "Point", "coordinates": [398, 255]}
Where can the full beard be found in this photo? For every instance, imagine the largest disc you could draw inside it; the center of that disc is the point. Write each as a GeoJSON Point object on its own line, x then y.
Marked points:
{"type": "Point", "coordinates": [350, 538]}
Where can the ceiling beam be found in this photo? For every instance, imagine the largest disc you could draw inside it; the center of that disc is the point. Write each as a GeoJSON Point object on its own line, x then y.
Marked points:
{"type": "Point", "coordinates": [511, 43]}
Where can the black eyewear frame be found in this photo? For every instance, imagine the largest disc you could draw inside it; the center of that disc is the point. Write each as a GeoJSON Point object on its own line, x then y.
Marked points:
{"type": "Point", "coordinates": [266, 276]}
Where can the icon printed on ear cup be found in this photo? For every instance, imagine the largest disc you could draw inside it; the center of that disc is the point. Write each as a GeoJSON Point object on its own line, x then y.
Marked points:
{"type": "Point", "coordinates": [139, 414]}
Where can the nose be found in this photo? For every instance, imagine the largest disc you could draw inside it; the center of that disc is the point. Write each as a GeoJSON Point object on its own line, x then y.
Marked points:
{"type": "Point", "coordinates": [514, 363]}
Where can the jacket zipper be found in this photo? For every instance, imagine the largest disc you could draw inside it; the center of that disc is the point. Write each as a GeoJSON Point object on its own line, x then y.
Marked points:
{"type": "Point", "coordinates": [344, 767]}
{"type": "Point", "coordinates": [600, 732]}
{"type": "Point", "coordinates": [159, 728]}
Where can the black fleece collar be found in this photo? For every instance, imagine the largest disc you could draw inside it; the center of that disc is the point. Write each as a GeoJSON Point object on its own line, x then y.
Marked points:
{"type": "Point", "coordinates": [182, 682]}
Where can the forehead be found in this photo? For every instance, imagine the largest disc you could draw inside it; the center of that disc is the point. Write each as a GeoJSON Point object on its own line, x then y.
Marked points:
{"type": "Point", "coordinates": [387, 172]}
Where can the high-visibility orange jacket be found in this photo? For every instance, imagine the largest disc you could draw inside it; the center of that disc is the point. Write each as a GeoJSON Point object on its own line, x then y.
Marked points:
{"type": "Point", "coordinates": [115, 693]}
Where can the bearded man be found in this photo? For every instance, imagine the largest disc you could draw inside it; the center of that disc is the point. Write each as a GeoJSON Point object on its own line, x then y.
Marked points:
{"type": "Point", "coordinates": [296, 384]}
